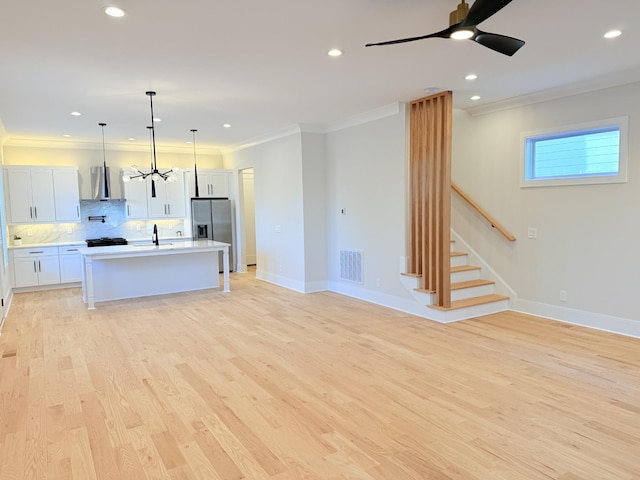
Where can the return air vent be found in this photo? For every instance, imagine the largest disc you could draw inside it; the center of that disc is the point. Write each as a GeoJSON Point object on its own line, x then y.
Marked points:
{"type": "Point", "coordinates": [351, 265]}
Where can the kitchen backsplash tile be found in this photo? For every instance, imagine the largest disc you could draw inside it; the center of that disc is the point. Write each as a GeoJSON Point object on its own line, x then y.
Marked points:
{"type": "Point", "coordinates": [115, 225]}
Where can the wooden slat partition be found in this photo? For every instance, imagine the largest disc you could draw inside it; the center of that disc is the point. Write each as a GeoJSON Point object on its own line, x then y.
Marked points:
{"type": "Point", "coordinates": [430, 192]}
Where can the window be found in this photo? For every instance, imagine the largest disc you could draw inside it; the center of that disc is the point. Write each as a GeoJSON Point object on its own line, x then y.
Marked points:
{"type": "Point", "coordinates": [579, 154]}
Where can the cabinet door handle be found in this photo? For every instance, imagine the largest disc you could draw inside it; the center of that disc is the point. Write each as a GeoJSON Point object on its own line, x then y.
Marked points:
{"type": "Point", "coordinates": [78, 211]}
{"type": "Point", "coordinates": [35, 210]}
{"type": "Point", "coordinates": [39, 266]}
{"type": "Point", "coordinates": [30, 212]}
{"type": "Point", "coordinates": [34, 267]}
{"type": "Point", "coordinates": [169, 208]}
{"type": "Point", "coordinates": [128, 210]}
{"type": "Point", "coordinates": [72, 250]}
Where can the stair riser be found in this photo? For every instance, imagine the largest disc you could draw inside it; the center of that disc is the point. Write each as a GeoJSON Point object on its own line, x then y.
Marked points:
{"type": "Point", "coordinates": [471, 292]}
{"type": "Point", "coordinates": [464, 276]}
{"type": "Point", "coordinates": [459, 260]}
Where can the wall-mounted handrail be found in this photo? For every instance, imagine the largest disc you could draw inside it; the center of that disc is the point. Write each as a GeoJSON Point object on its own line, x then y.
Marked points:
{"type": "Point", "coordinates": [487, 217]}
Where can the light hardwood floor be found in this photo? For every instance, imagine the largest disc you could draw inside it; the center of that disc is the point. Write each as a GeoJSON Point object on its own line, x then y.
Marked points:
{"type": "Point", "coordinates": [265, 383]}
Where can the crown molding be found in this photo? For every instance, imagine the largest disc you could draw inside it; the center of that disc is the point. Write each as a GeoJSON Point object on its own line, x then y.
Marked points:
{"type": "Point", "coordinates": [31, 142]}
{"type": "Point", "coordinates": [592, 85]}
{"type": "Point", "coordinates": [365, 117]}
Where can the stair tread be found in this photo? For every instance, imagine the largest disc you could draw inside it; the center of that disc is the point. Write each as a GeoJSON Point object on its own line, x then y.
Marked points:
{"type": "Point", "coordinates": [464, 268]}
{"type": "Point", "coordinates": [424, 290]}
{"type": "Point", "coordinates": [416, 275]}
{"type": "Point", "coordinates": [471, 283]}
{"type": "Point", "coordinates": [458, 254]}
{"type": "Point", "coordinates": [473, 301]}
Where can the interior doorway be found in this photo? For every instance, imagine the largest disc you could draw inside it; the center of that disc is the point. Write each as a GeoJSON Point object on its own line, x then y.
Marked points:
{"type": "Point", "coordinates": [249, 218]}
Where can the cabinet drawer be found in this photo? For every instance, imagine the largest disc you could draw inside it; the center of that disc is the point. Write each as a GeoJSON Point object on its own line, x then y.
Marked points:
{"type": "Point", "coordinates": [34, 252]}
{"type": "Point", "coordinates": [68, 250]}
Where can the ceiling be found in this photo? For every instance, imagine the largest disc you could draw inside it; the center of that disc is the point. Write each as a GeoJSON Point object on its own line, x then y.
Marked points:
{"type": "Point", "coordinates": [262, 67]}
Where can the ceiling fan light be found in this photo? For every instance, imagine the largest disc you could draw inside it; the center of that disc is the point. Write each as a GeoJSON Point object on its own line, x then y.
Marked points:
{"type": "Point", "coordinates": [462, 34]}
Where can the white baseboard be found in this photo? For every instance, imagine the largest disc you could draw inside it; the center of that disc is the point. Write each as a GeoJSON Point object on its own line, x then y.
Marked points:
{"type": "Point", "coordinates": [607, 323]}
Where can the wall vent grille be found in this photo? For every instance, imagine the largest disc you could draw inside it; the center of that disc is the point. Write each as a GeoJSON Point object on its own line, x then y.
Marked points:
{"type": "Point", "coordinates": [351, 265]}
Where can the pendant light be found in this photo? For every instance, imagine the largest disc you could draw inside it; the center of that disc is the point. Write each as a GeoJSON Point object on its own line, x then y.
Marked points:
{"type": "Point", "coordinates": [154, 175]}
{"type": "Point", "coordinates": [195, 164]}
{"type": "Point", "coordinates": [105, 177]}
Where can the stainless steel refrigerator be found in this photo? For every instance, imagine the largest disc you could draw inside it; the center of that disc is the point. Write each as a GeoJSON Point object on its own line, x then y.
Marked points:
{"type": "Point", "coordinates": [211, 219]}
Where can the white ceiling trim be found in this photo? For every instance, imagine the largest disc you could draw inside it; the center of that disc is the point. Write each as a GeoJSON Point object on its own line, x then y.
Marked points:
{"type": "Point", "coordinates": [592, 85]}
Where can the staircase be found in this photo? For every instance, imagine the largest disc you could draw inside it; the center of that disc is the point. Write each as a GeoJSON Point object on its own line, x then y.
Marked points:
{"type": "Point", "coordinates": [471, 296]}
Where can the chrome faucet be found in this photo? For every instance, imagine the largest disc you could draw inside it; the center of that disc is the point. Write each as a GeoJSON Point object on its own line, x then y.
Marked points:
{"type": "Point", "coordinates": [154, 237]}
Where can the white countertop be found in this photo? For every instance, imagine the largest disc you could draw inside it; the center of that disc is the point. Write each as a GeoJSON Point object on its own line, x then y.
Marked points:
{"type": "Point", "coordinates": [83, 243]}
{"type": "Point", "coordinates": [166, 247]}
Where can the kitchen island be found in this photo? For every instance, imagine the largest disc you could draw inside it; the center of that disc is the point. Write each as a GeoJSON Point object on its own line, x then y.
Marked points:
{"type": "Point", "coordinates": [130, 271]}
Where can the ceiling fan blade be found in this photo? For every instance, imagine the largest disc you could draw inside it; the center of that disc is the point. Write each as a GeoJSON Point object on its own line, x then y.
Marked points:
{"type": "Point", "coordinates": [442, 34]}
{"type": "Point", "coordinates": [499, 43]}
{"type": "Point", "coordinates": [483, 9]}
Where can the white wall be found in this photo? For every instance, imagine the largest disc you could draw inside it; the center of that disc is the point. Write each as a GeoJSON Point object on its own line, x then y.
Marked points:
{"type": "Point", "coordinates": [588, 235]}
{"type": "Point", "coordinates": [314, 186]}
{"type": "Point", "coordinates": [367, 177]}
{"type": "Point", "coordinates": [278, 206]}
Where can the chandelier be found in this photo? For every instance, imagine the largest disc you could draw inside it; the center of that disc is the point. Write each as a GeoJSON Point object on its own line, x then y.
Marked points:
{"type": "Point", "coordinates": [154, 174]}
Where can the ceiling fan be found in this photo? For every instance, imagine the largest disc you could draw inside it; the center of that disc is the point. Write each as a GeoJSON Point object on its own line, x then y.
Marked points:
{"type": "Point", "coordinates": [463, 22]}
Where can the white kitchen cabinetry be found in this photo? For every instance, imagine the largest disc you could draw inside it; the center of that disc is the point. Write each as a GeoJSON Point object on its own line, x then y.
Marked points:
{"type": "Point", "coordinates": [30, 197]}
{"type": "Point", "coordinates": [135, 194]}
{"type": "Point", "coordinates": [66, 194]}
{"type": "Point", "coordinates": [212, 183]}
{"type": "Point", "coordinates": [70, 264]}
{"type": "Point", "coordinates": [35, 266]}
{"type": "Point", "coordinates": [42, 194]}
{"type": "Point", "coordinates": [169, 201]}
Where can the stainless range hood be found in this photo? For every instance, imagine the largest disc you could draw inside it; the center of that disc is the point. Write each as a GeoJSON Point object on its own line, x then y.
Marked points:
{"type": "Point", "coordinates": [101, 185]}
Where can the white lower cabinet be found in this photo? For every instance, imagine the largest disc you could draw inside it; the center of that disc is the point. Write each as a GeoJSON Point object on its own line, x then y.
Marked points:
{"type": "Point", "coordinates": [35, 266]}
{"type": "Point", "coordinates": [70, 264]}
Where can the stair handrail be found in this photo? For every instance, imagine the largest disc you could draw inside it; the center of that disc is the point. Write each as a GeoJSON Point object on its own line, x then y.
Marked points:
{"type": "Point", "coordinates": [482, 212]}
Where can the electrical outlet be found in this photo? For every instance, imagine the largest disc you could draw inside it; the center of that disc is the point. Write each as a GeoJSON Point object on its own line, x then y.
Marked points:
{"type": "Point", "coordinates": [69, 230]}
{"type": "Point", "coordinates": [29, 232]}
{"type": "Point", "coordinates": [278, 228]}
{"type": "Point", "coordinates": [563, 295]}
{"type": "Point", "coordinates": [378, 282]}
{"type": "Point", "coordinates": [532, 232]}
{"type": "Point", "coordinates": [138, 227]}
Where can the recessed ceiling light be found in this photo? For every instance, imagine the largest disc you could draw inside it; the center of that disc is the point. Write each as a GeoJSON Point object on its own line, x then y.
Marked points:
{"type": "Point", "coordinates": [76, 114]}
{"type": "Point", "coordinates": [334, 52]}
{"type": "Point", "coordinates": [475, 97]}
{"type": "Point", "coordinates": [612, 34]}
{"type": "Point", "coordinates": [227, 125]}
{"type": "Point", "coordinates": [131, 139]}
{"type": "Point", "coordinates": [462, 34]}
{"type": "Point", "coordinates": [471, 76]}
{"type": "Point", "coordinates": [66, 135]}
{"type": "Point", "coordinates": [156, 119]}
{"type": "Point", "coordinates": [114, 11]}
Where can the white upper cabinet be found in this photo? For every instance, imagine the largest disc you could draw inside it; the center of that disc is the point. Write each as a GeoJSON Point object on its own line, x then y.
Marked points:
{"type": "Point", "coordinates": [31, 196]}
{"type": "Point", "coordinates": [135, 194]}
{"type": "Point", "coordinates": [169, 201]}
{"type": "Point", "coordinates": [211, 183]}
{"type": "Point", "coordinates": [66, 194]}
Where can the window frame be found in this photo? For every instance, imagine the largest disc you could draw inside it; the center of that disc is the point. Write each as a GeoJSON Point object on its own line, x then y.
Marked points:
{"type": "Point", "coordinates": [620, 122]}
